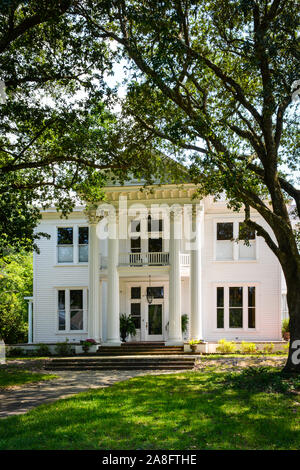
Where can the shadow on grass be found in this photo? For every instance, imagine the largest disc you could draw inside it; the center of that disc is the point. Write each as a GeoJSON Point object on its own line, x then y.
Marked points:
{"type": "Point", "coordinates": [183, 411]}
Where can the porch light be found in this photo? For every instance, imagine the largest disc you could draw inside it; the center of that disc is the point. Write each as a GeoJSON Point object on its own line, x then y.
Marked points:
{"type": "Point", "coordinates": [149, 294]}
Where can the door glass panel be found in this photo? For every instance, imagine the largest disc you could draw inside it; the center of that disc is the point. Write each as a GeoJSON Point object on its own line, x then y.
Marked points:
{"type": "Point", "coordinates": [155, 320]}
{"type": "Point", "coordinates": [135, 312]}
{"type": "Point", "coordinates": [135, 292]}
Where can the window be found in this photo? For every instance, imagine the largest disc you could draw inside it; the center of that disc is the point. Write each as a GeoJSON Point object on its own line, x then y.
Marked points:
{"type": "Point", "coordinates": [72, 309]}
{"type": "Point", "coordinates": [83, 244]}
{"type": "Point", "coordinates": [135, 226]}
{"type": "Point", "coordinates": [61, 310]}
{"type": "Point", "coordinates": [65, 244]}
{"type": "Point", "coordinates": [135, 292]}
{"type": "Point", "coordinates": [224, 246]}
{"type": "Point", "coordinates": [236, 307]}
{"type": "Point", "coordinates": [220, 307]}
{"type": "Point", "coordinates": [135, 312]}
{"type": "Point", "coordinates": [156, 292]}
{"type": "Point", "coordinates": [246, 250]}
{"type": "Point", "coordinates": [155, 225]}
{"type": "Point", "coordinates": [76, 310]}
{"type": "Point", "coordinates": [251, 307]}
{"type": "Point", "coordinates": [155, 245]}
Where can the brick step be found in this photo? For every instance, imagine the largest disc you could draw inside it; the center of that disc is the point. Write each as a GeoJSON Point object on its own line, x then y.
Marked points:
{"type": "Point", "coordinates": [165, 348]}
{"type": "Point", "coordinates": [142, 353]}
{"type": "Point", "coordinates": [119, 359]}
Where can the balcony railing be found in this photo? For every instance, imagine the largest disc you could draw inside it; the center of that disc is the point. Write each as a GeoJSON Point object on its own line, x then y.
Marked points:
{"type": "Point", "coordinates": [146, 259]}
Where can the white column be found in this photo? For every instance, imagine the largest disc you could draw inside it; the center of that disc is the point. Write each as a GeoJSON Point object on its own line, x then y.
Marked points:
{"type": "Point", "coordinates": [196, 331]}
{"type": "Point", "coordinates": [113, 295]}
{"type": "Point", "coordinates": [175, 334]}
{"type": "Point", "coordinates": [94, 320]}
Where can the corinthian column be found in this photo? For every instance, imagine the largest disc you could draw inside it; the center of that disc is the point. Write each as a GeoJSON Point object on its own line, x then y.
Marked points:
{"type": "Point", "coordinates": [94, 285]}
{"type": "Point", "coordinates": [113, 300]}
{"type": "Point", "coordinates": [196, 331]}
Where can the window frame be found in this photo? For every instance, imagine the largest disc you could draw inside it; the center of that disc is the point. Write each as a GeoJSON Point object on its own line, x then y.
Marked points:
{"type": "Point", "coordinates": [67, 329]}
{"type": "Point", "coordinates": [75, 245]}
{"type": "Point", "coordinates": [235, 246]}
{"type": "Point", "coordinates": [245, 327]}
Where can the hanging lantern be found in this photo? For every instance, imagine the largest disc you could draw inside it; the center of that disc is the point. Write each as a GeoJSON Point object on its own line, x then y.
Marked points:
{"type": "Point", "coordinates": [149, 293]}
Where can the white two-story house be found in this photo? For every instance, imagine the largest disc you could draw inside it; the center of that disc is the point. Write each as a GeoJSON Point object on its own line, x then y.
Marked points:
{"type": "Point", "coordinates": [157, 255]}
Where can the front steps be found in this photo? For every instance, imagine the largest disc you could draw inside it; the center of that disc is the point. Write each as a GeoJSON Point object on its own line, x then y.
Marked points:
{"type": "Point", "coordinates": [143, 349]}
{"type": "Point", "coordinates": [121, 363]}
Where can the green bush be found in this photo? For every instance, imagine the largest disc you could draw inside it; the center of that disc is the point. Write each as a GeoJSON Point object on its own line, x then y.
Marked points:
{"type": "Point", "coordinates": [248, 348]}
{"type": "Point", "coordinates": [268, 348]}
{"type": "Point", "coordinates": [226, 347]}
{"type": "Point", "coordinates": [15, 352]}
{"type": "Point", "coordinates": [184, 322]}
{"type": "Point", "coordinates": [64, 348]}
{"type": "Point", "coordinates": [43, 350]}
{"type": "Point", "coordinates": [285, 327]}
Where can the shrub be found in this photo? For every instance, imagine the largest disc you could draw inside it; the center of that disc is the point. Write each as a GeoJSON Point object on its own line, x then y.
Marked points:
{"type": "Point", "coordinates": [184, 322]}
{"type": "Point", "coordinates": [226, 347]}
{"type": "Point", "coordinates": [15, 352]}
{"type": "Point", "coordinates": [64, 348]}
{"type": "Point", "coordinates": [268, 348]}
{"type": "Point", "coordinates": [285, 327]}
{"type": "Point", "coordinates": [248, 348]}
{"type": "Point", "coordinates": [43, 350]}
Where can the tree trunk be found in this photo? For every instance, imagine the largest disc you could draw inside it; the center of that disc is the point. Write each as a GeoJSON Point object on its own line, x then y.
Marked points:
{"type": "Point", "coordinates": [293, 301]}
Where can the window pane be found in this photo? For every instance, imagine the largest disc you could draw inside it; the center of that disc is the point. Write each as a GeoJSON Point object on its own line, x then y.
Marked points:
{"type": "Point", "coordinates": [61, 320]}
{"type": "Point", "coordinates": [83, 235]}
{"type": "Point", "coordinates": [157, 292]}
{"type": "Point", "coordinates": [75, 299]}
{"type": "Point", "coordinates": [65, 254]}
{"type": "Point", "coordinates": [135, 244]}
{"type": "Point", "coordinates": [135, 226]}
{"type": "Point", "coordinates": [251, 296]}
{"type": "Point", "coordinates": [225, 231]}
{"type": "Point", "coordinates": [155, 225]}
{"type": "Point", "coordinates": [247, 251]}
{"type": "Point", "coordinates": [155, 245]}
{"type": "Point", "coordinates": [83, 253]}
{"type": "Point", "coordinates": [65, 236]}
{"type": "Point", "coordinates": [76, 320]}
{"type": "Point", "coordinates": [235, 318]}
{"type": "Point", "coordinates": [235, 296]}
{"type": "Point", "coordinates": [245, 233]}
{"type": "Point", "coordinates": [220, 296]}
{"type": "Point", "coordinates": [220, 317]}
{"type": "Point", "coordinates": [155, 320]}
{"type": "Point", "coordinates": [61, 300]}
{"type": "Point", "coordinates": [135, 309]}
{"type": "Point", "coordinates": [224, 250]}
{"type": "Point", "coordinates": [135, 292]}
{"type": "Point", "coordinates": [137, 322]}
{"type": "Point", "coordinates": [251, 317]}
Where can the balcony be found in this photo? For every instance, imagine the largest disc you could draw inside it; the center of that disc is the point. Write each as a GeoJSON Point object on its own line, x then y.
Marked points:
{"type": "Point", "coordinates": [146, 259]}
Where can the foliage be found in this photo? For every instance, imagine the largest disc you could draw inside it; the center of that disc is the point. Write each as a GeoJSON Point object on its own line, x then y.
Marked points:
{"type": "Point", "coordinates": [263, 379]}
{"type": "Point", "coordinates": [64, 348]}
{"type": "Point", "coordinates": [15, 352]}
{"type": "Point", "coordinates": [268, 348]}
{"type": "Point", "coordinates": [15, 284]}
{"type": "Point", "coordinates": [184, 323]}
{"type": "Point", "coordinates": [225, 347]}
{"type": "Point", "coordinates": [42, 350]}
{"type": "Point", "coordinates": [193, 342]}
{"type": "Point", "coordinates": [248, 348]}
{"type": "Point", "coordinates": [285, 327]}
{"type": "Point", "coordinates": [86, 344]}
{"type": "Point", "coordinates": [193, 410]}
{"type": "Point", "coordinates": [127, 326]}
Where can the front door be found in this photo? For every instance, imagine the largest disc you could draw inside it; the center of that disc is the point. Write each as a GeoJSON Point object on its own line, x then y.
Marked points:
{"type": "Point", "coordinates": [154, 325]}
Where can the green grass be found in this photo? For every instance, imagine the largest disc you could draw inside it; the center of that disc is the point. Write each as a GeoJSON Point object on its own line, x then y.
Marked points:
{"type": "Point", "coordinates": [253, 409]}
{"type": "Point", "coordinates": [13, 376]}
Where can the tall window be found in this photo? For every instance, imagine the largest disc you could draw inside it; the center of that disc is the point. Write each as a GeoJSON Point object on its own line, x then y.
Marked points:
{"type": "Point", "coordinates": [236, 307]}
{"type": "Point", "coordinates": [224, 245]}
{"type": "Point", "coordinates": [65, 244]}
{"type": "Point", "coordinates": [72, 309]}
{"type": "Point", "coordinates": [83, 244]}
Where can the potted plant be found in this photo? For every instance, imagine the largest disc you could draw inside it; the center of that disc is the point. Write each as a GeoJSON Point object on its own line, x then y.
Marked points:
{"type": "Point", "coordinates": [184, 323]}
{"type": "Point", "coordinates": [86, 344]}
{"type": "Point", "coordinates": [127, 326]}
{"type": "Point", "coordinates": [285, 329]}
{"type": "Point", "coordinates": [194, 343]}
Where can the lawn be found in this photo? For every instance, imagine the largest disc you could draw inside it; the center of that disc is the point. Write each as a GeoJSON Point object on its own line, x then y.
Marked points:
{"type": "Point", "coordinates": [254, 409]}
{"type": "Point", "coordinates": [11, 376]}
